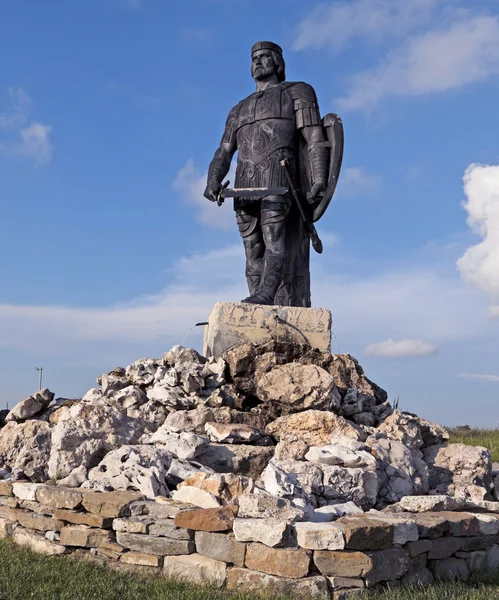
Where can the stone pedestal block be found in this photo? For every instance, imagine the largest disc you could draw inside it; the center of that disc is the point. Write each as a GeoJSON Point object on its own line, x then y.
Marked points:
{"type": "Point", "coordinates": [235, 323]}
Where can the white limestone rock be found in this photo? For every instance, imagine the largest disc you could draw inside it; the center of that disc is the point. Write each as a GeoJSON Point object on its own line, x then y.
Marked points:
{"type": "Point", "coordinates": [298, 387]}
{"type": "Point", "coordinates": [196, 496]}
{"type": "Point", "coordinates": [331, 512]}
{"type": "Point", "coordinates": [113, 382]}
{"type": "Point", "coordinates": [264, 506]}
{"type": "Point", "coordinates": [179, 355]}
{"type": "Point", "coordinates": [25, 448]}
{"type": "Point", "coordinates": [183, 445]}
{"type": "Point", "coordinates": [167, 375]}
{"type": "Point", "coordinates": [77, 476]}
{"type": "Point", "coordinates": [151, 413]}
{"type": "Point", "coordinates": [320, 536]}
{"type": "Point", "coordinates": [130, 396]}
{"type": "Point", "coordinates": [459, 470]}
{"type": "Point", "coordinates": [171, 398]}
{"type": "Point", "coordinates": [31, 406]}
{"type": "Point", "coordinates": [403, 428]}
{"type": "Point", "coordinates": [350, 485]}
{"type": "Point", "coordinates": [90, 432]}
{"type": "Point", "coordinates": [417, 504]}
{"type": "Point", "coordinates": [337, 454]}
{"type": "Point", "coordinates": [195, 568]}
{"type": "Point", "coordinates": [141, 468]}
{"type": "Point", "coordinates": [271, 532]}
{"type": "Point", "coordinates": [142, 371]}
{"type": "Point", "coordinates": [189, 420]}
{"type": "Point", "coordinates": [400, 472]}
{"type": "Point", "coordinates": [292, 479]}
{"type": "Point", "coordinates": [25, 491]}
{"type": "Point", "coordinates": [180, 470]}
{"type": "Point", "coordinates": [232, 433]}
{"type": "Point", "coordinates": [93, 396]}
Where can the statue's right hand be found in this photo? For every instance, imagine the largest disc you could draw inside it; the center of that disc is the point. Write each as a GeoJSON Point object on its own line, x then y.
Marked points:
{"type": "Point", "coordinates": [212, 191]}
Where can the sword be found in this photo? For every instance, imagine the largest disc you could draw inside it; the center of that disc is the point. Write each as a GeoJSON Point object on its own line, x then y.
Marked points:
{"type": "Point", "coordinates": [227, 192]}
{"type": "Point", "coordinates": [295, 191]}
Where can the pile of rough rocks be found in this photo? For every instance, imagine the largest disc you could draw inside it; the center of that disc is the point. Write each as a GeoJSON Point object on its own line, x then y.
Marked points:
{"type": "Point", "coordinates": [278, 420]}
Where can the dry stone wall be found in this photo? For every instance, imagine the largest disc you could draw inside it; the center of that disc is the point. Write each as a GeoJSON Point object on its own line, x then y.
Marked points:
{"type": "Point", "coordinates": [244, 547]}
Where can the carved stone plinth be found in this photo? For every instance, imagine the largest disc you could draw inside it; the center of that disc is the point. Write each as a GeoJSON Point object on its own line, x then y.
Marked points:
{"type": "Point", "coordinates": [234, 323]}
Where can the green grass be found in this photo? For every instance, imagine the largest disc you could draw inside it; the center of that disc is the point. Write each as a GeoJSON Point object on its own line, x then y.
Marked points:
{"type": "Point", "coordinates": [489, 438]}
{"type": "Point", "coordinates": [25, 575]}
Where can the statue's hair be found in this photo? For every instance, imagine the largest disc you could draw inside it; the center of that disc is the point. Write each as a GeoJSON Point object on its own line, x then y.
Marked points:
{"type": "Point", "coordinates": [279, 63]}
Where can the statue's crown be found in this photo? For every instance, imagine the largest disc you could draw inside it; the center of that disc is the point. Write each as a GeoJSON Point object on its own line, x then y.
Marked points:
{"type": "Point", "coordinates": [266, 46]}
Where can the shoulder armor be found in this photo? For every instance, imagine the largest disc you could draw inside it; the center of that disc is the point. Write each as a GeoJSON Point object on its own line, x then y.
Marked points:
{"type": "Point", "coordinates": [305, 104]}
{"type": "Point", "coordinates": [301, 92]}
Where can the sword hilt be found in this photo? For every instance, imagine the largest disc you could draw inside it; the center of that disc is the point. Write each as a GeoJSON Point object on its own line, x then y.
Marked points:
{"type": "Point", "coordinates": [220, 198]}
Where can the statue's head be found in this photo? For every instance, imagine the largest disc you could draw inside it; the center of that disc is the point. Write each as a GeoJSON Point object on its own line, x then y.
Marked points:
{"type": "Point", "coordinates": [266, 59]}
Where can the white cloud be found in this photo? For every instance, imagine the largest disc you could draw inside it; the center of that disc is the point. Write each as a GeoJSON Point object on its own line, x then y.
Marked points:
{"type": "Point", "coordinates": [479, 265]}
{"type": "Point", "coordinates": [357, 181]}
{"type": "Point", "coordinates": [21, 136]}
{"type": "Point", "coordinates": [401, 348]}
{"type": "Point", "coordinates": [336, 24]}
{"type": "Point", "coordinates": [464, 52]}
{"type": "Point", "coordinates": [190, 183]}
{"type": "Point", "coordinates": [329, 238]}
{"type": "Point", "coordinates": [478, 376]}
{"type": "Point", "coordinates": [406, 304]}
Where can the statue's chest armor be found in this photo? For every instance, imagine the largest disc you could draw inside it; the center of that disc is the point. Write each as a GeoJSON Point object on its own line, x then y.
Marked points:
{"type": "Point", "coordinates": [266, 122]}
{"type": "Point", "coordinates": [274, 103]}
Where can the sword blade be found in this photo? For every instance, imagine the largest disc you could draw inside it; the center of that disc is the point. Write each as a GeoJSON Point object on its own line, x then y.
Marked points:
{"type": "Point", "coordinates": [253, 192]}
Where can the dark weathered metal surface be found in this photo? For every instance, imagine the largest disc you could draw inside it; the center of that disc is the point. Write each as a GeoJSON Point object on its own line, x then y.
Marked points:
{"type": "Point", "coordinates": [279, 121]}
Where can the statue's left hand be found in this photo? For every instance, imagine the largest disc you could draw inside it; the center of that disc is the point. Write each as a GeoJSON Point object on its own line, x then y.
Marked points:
{"type": "Point", "coordinates": [317, 189]}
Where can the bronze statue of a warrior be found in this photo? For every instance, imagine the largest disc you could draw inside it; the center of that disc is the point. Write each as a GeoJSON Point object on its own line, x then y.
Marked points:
{"type": "Point", "coordinates": [288, 164]}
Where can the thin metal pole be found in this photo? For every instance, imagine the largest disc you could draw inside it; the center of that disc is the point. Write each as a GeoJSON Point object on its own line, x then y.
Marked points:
{"type": "Point", "coordinates": [40, 369]}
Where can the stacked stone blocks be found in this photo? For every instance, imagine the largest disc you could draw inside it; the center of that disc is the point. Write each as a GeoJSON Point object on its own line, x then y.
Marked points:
{"type": "Point", "coordinates": [127, 531]}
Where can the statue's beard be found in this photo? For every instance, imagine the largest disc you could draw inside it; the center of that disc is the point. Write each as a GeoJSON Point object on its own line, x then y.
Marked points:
{"type": "Point", "coordinates": [263, 73]}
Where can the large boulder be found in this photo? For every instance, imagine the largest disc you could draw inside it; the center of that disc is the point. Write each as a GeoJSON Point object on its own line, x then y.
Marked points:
{"type": "Point", "coordinates": [26, 447]}
{"type": "Point", "coordinates": [350, 485]}
{"type": "Point", "coordinates": [412, 431]}
{"type": "Point", "coordinates": [296, 387]}
{"type": "Point", "coordinates": [247, 363]}
{"type": "Point", "coordinates": [314, 427]}
{"type": "Point", "coordinates": [142, 371]}
{"type": "Point", "coordinates": [31, 406]}
{"type": "Point", "coordinates": [400, 471]}
{"type": "Point", "coordinates": [139, 468]}
{"type": "Point", "coordinates": [242, 459]}
{"type": "Point", "coordinates": [461, 471]}
{"type": "Point", "coordinates": [183, 444]}
{"type": "Point", "coordinates": [87, 433]}
{"type": "Point", "coordinates": [403, 428]}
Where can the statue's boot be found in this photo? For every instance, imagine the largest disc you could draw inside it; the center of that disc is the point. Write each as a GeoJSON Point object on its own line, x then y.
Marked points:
{"type": "Point", "coordinates": [253, 275]}
{"type": "Point", "coordinates": [270, 280]}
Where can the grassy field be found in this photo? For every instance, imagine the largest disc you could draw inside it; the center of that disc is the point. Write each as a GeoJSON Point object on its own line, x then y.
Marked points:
{"type": "Point", "coordinates": [25, 575]}
{"type": "Point", "coordinates": [489, 438]}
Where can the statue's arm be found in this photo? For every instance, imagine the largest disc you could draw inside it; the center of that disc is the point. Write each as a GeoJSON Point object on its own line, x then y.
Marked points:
{"type": "Point", "coordinates": [309, 122]}
{"type": "Point", "coordinates": [220, 165]}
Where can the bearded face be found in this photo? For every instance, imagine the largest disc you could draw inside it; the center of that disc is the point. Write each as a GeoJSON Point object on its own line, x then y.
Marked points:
{"type": "Point", "coordinates": [262, 65]}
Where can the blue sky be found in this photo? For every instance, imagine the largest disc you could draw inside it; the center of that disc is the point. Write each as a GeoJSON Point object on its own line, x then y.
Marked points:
{"type": "Point", "coordinates": [110, 111]}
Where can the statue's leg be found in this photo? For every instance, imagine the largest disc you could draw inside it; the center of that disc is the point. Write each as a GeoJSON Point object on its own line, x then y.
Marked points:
{"type": "Point", "coordinates": [273, 224]}
{"type": "Point", "coordinates": [253, 247]}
